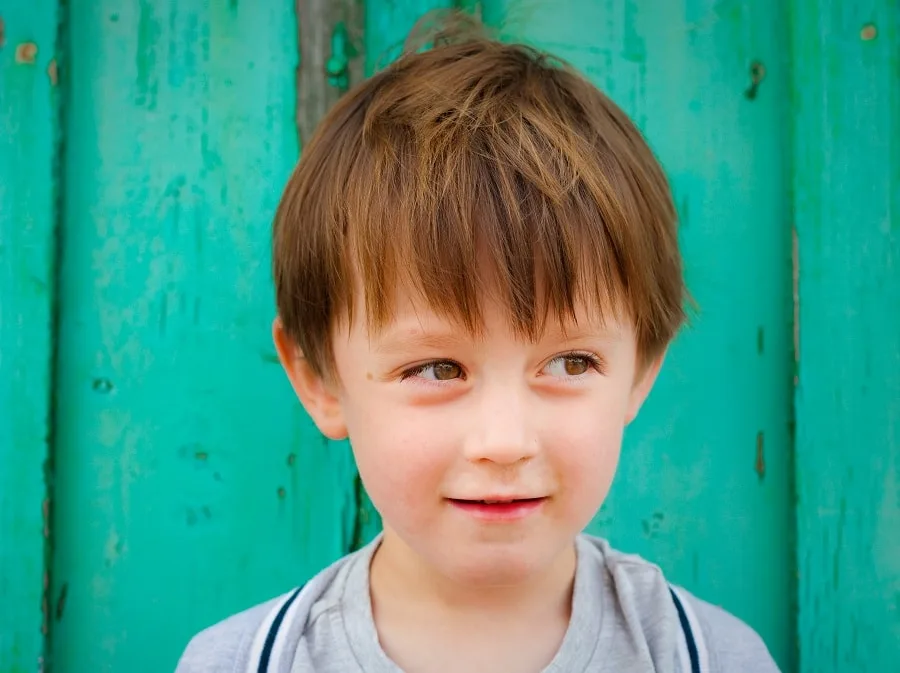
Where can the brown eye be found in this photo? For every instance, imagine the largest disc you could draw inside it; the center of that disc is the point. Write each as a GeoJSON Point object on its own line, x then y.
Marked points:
{"type": "Point", "coordinates": [576, 365]}
{"type": "Point", "coordinates": [446, 371]}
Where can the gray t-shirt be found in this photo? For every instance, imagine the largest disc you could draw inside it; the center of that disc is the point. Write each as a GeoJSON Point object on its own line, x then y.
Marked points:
{"type": "Point", "coordinates": [624, 620]}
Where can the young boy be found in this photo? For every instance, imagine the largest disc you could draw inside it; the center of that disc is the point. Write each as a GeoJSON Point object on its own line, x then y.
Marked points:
{"type": "Point", "coordinates": [477, 278]}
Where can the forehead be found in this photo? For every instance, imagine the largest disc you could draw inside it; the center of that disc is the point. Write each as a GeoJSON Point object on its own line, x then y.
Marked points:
{"type": "Point", "coordinates": [413, 319]}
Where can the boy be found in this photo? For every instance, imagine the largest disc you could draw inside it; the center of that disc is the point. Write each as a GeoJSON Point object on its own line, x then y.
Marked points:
{"type": "Point", "coordinates": [477, 277]}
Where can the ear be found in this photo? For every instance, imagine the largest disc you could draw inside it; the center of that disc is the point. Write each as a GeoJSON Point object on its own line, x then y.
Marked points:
{"type": "Point", "coordinates": [318, 397]}
{"type": "Point", "coordinates": [643, 384]}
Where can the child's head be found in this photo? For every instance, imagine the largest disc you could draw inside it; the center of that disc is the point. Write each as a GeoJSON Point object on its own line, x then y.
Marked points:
{"type": "Point", "coordinates": [477, 275]}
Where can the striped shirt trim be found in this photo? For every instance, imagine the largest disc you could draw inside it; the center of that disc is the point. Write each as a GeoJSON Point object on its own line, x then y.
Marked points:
{"type": "Point", "coordinates": [694, 656]}
{"type": "Point", "coordinates": [269, 641]}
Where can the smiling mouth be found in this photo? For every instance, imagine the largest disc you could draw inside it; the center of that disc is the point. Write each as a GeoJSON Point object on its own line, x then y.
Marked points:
{"type": "Point", "coordinates": [496, 511]}
{"type": "Point", "coordinates": [504, 501]}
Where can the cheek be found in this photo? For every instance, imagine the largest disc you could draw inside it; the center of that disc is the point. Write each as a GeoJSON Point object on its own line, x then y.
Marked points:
{"type": "Point", "coordinates": [586, 454]}
{"type": "Point", "coordinates": [591, 456]}
{"type": "Point", "coordinates": [401, 459]}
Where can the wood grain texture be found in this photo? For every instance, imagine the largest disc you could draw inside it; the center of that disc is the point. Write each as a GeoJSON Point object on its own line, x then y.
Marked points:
{"type": "Point", "coordinates": [846, 90]}
{"type": "Point", "coordinates": [704, 483]}
{"type": "Point", "coordinates": [28, 190]}
{"type": "Point", "coordinates": [191, 485]}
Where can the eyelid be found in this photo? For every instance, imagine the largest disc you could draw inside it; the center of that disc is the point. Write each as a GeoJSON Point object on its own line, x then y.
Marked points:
{"type": "Point", "coordinates": [416, 370]}
{"type": "Point", "coordinates": [594, 360]}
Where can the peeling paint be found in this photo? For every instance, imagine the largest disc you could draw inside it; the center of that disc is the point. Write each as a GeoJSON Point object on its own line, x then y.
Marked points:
{"type": "Point", "coordinates": [757, 75]}
{"type": "Point", "coordinates": [61, 601]}
{"type": "Point", "coordinates": [760, 456]}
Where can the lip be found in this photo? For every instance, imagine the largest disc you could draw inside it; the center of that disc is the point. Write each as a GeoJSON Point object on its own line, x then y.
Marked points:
{"type": "Point", "coordinates": [499, 509]}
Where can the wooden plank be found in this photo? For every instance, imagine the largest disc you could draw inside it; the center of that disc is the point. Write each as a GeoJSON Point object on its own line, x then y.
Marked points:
{"type": "Point", "coordinates": [28, 192]}
{"type": "Point", "coordinates": [704, 485]}
{"type": "Point", "coordinates": [846, 59]}
{"type": "Point", "coordinates": [190, 483]}
{"type": "Point", "coordinates": [332, 55]}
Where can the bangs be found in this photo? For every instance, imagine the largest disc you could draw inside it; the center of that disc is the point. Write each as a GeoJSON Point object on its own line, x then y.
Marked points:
{"type": "Point", "coordinates": [495, 212]}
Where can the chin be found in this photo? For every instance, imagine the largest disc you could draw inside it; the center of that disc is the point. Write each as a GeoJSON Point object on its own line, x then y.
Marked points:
{"type": "Point", "coordinates": [490, 565]}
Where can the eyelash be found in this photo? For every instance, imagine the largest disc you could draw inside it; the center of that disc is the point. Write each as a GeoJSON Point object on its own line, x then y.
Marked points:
{"type": "Point", "coordinates": [593, 360]}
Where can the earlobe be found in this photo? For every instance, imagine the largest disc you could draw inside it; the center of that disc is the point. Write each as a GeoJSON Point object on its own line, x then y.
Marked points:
{"type": "Point", "coordinates": [643, 384]}
{"type": "Point", "coordinates": [316, 395]}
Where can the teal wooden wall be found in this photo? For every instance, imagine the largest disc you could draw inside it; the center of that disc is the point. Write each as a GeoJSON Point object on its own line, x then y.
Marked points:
{"type": "Point", "coordinates": [156, 472]}
{"type": "Point", "coordinates": [846, 189]}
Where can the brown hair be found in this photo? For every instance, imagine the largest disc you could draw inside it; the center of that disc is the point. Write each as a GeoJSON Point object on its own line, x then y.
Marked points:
{"type": "Point", "coordinates": [477, 151]}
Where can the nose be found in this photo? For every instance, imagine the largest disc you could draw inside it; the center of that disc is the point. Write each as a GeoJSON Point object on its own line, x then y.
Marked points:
{"type": "Point", "coordinates": [501, 431]}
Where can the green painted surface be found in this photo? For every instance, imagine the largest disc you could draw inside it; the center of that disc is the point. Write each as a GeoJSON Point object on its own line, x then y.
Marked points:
{"type": "Point", "coordinates": [387, 24]}
{"type": "Point", "coordinates": [27, 220]}
{"type": "Point", "coordinates": [190, 485]}
{"type": "Point", "coordinates": [704, 484]}
{"type": "Point", "coordinates": [847, 189]}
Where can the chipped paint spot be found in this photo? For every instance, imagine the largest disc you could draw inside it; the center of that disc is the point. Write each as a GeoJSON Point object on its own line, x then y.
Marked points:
{"type": "Point", "coordinates": [201, 455]}
{"type": "Point", "coordinates": [869, 32]}
{"type": "Point", "coordinates": [53, 72]}
{"type": "Point", "coordinates": [282, 494]}
{"type": "Point", "coordinates": [291, 459]}
{"type": "Point", "coordinates": [26, 53]}
{"type": "Point", "coordinates": [2, 32]}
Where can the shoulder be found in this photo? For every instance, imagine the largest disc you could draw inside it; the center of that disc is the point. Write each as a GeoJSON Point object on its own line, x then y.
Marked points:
{"type": "Point", "coordinates": [725, 643]}
{"type": "Point", "coordinates": [230, 645]}
{"type": "Point", "coordinates": [225, 647]}
{"type": "Point", "coordinates": [731, 645]}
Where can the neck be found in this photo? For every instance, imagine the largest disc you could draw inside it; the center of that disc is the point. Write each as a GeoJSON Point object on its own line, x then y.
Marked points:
{"type": "Point", "coordinates": [399, 576]}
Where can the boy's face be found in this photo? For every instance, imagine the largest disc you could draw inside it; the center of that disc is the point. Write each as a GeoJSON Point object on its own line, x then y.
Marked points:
{"type": "Point", "coordinates": [440, 420]}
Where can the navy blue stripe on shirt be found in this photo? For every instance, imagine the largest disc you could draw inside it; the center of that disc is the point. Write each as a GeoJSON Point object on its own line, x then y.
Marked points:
{"type": "Point", "coordinates": [688, 634]}
{"type": "Point", "coordinates": [273, 633]}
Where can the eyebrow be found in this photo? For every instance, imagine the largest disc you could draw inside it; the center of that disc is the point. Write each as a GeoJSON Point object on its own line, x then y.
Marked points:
{"type": "Point", "coordinates": [402, 341]}
{"type": "Point", "coordinates": [578, 333]}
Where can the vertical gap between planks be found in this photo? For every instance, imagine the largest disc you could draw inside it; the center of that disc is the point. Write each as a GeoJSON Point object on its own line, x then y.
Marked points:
{"type": "Point", "coordinates": [52, 610]}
